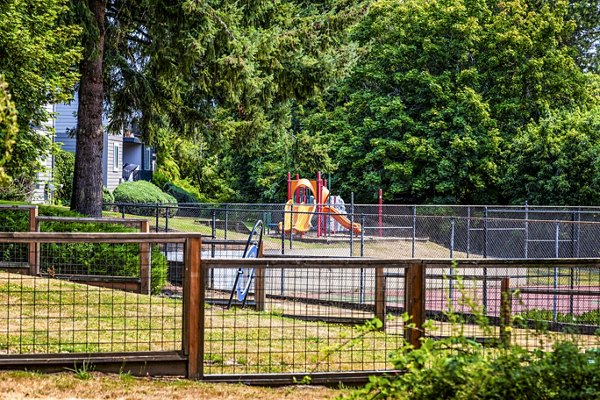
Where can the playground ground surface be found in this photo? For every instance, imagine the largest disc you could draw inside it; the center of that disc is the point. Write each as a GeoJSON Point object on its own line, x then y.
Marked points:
{"type": "Point", "coordinates": [94, 385]}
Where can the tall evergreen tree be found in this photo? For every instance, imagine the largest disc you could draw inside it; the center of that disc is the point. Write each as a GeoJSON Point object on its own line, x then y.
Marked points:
{"type": "Point", "coordinates": [87, 178]}
{"type": "Point", "coordinates": [214, 72]}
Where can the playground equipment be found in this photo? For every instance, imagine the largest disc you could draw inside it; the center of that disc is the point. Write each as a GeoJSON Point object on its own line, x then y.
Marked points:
{"type": "Point", "coordinates": [244, 276]}
{"type": "Point", "coordinates": [305, 198]}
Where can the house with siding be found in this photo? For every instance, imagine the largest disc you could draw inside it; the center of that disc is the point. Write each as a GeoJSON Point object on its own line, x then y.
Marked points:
{"type": "Point", "coordinates": [118, 151]}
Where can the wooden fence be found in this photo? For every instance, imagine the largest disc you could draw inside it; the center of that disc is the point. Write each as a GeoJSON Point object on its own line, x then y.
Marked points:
{"type": "Point", "coordinates": [192, 351]}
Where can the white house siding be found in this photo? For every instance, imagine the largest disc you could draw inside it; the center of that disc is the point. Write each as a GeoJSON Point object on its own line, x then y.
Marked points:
{"type": "Point", "coordinates": [113, 171]}
{"type": "Point", "coordinates": [45, 175]}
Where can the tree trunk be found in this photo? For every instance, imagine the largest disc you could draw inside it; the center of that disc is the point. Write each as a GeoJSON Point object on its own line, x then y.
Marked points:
{"type": "Point", "coordinates": [87, 179]}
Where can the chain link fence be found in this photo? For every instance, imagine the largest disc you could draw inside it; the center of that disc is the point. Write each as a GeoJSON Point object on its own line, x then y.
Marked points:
{"type": "Point", "coordinates": [391, 231]}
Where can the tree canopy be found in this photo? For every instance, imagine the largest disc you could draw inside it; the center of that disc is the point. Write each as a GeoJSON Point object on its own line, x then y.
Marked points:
{"type": "Point", "coordinates": [8, 129]}
{"type": "Point", "coordinates": [444, 94]}
{"type": "Point", "coordinates": [216, 75]}
{"type": "Point", "coordinates": [38, 52]}
{"type": "Point", "coordinates": [454, 101]}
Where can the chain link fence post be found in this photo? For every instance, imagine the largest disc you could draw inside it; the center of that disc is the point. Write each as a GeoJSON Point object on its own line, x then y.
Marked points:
{"type": "Point", "coordinates": [351, 224]}
{"type": "Point", "coordinates": [485, 254]}
{"type": "Point", "coordinates": [555, 283]}
{"type": "Point", "coordinates": [362, 235]}
{"type": "Point", "coordinates": [157, 216]}
{"type": "Point", "coordinates": [414, 232]}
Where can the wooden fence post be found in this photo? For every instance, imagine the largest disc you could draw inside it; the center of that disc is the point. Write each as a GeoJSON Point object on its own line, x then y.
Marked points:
{"type": "Point", "coordinates": [505, 311]}
{"type": "Point", "coordinates": [414, 292]}
{"type": "Point", "coordinates": [145, 261]}
{"type": "Point", "coordinates": [34, 248]}
{"type": "Point", "coordinates": [259, 283]}
{"type": "Point", "coordinates": [380, 295]}
{"type": "Point", "coordinates": [193, 308]}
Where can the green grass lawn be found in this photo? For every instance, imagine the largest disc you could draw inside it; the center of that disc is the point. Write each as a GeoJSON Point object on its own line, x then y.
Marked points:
{"type": "Point", "coordinates": [53, 316]}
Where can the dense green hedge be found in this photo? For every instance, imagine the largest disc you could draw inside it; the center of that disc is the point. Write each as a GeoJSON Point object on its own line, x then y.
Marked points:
{"type": "Point", "coordinates": [141, 192]}
{"type": "Point", "coordinates": [182, 195]}
{"type": "Point", "coordinates": [81, 258]}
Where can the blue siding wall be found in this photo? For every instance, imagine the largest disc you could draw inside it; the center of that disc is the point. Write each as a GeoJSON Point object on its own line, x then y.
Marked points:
{"type": "Point", "coordinates": [66, 119]}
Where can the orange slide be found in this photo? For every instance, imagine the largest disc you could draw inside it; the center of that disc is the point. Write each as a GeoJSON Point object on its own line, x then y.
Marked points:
{"type": "Point", "coordinates": [342, 219]}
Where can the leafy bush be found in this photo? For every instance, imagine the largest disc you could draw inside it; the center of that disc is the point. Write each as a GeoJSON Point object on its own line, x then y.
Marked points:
{"type": "Point", "coordinates": [458, 368]}
{"type": "Point", "coordinates": [182, 195]}
{"type": "Point", "coordinates": [160, 178]}
{"type": "Point", "coordinates": [64, 167]}
{"type": "Point", "coordinates": [591, 317]}
{"type": "Point", "coordinates": [181, 189]}
{"type": "Point", "coordinates": [104, 259]}
{"type": "Point", "coordinates": [141, 192]}
{"type": "Point", "coordinates": [159, 270]}
{"type": "Point", "coordinates": [107, 198]}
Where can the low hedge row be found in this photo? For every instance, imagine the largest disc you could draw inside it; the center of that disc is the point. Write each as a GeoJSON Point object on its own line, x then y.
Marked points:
{"type": "Point", "coordinates": [81, 258]}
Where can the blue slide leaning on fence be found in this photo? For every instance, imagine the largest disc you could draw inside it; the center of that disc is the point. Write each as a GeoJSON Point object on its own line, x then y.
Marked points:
{"type": "Point", "coordinates": [244, 276]}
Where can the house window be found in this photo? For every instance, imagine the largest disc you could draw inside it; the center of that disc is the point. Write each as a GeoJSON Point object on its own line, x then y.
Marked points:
{"type": "Point", "coordinates": [148, 158]}
{"type": "Point", "coordinates": [116, 157]}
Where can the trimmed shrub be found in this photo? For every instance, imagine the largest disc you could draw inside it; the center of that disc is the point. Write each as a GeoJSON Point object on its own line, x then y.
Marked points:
{"type": "Point", "coordinates": [142, 192]}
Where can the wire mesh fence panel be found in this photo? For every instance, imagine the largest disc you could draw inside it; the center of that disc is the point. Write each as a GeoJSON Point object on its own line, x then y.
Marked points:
{"type": "Point", "coordinates": [92, 297]}
{"type": "Point", "coordinates": [560, 300]}
{"type": "Point", "coordinates": [124, 292]}
{"type": "Point", "coordinates": [464, 301]}
{"type": "Point", "coordinates": [312, 320]}
{"type": "Point", "coordinates": [546, 303]}
{"type": "Point", "coordinates": [15, 219]}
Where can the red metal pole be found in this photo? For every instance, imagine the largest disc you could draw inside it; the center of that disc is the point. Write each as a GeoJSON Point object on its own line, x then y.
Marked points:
{"type": "Point", "coordinates": [380, 198]}
{"type": "Point", "coordinates": [326, 218]}
{"type": "Point", "coordinates": [318, 194]}
{"type": "Point", "coordinates": [297, 191]}
{"type": "Point", "coordinates": [289, 186]}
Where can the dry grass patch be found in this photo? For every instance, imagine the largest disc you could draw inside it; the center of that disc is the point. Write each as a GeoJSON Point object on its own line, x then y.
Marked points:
{"type": "Point", "coordinates": [21, 385]}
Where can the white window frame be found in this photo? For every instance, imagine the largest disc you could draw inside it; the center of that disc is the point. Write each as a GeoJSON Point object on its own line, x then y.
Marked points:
{"type": "Point", "coordinates": [147, 158]}
{"type": "Point", "coordinates": [116, 157]}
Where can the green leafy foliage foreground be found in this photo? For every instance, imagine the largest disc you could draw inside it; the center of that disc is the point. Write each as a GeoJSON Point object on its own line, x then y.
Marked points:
{"type": "Point", "coordinates": [458, 368]}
